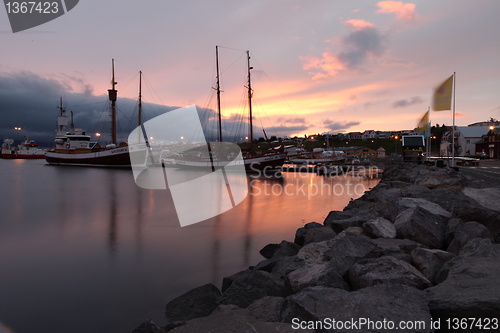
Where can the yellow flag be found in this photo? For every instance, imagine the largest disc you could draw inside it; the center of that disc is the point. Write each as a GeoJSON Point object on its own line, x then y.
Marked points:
{"type": "Point", "coordinates": [423, 124]}
{"type": "Point", "coordinates": [441, 100]}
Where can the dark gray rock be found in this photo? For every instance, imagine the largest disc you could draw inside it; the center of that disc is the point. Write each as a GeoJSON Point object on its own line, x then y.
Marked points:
{"type": "Point", "coordinates": [451, 228]}
{"type": "Point", "coordinates": [148, 326]}
{"type": "Point", "coordinates": [315, 252]}
{"type": "Point", "coordinates": [335, 215]}
{"type": "Point", "coordinates": [251, 286]}
{"type": "Point", "coordinates": [467, 232]}
{"type": "Point", "coordinates": [467, 209]}
{"type": "Point", "coordinates": [429, 262]}
{"type": "Point", "coordinates": [419, 225]}
{"type": "Point", "coordinates": [380, 228]}
{"type": "Point", "coordinates": [471, 290]}
{"type": "Point", "coordinates": [477, 247]}
{"type": "Point", "coordinates": [486, 197]}
{"type": "Point", "coordinates": [267, 308]}
{"type": "Point", "coordinates": [390, 302]}
{"type": "Point", "coordinates": [318, 235]}
{"type": "Point", "coordinates": [301, 232]}
{"type": "Point", "coordinates": [198, 302]}
{"type": "Point", "coordinates": [345, 249]}
{"type": "Point", "coordinates": [429, 206]}
{"type": "Point", "coordinates": [268, 250]}
{"type": "Point", "coordinates": [373, 271]}
{"type": "Point", "coordinates": [283, 249]}
{"type": "Point", "coordinates": [286, 265]}
{"type": "Point", "coordinates": [361, 216]}
{"type": "Point", "coordinates": [230, 319]}
{"type": "Point", "coordinates": [398, 248]}
{"type": "Point", "coordinates": [323, 274]}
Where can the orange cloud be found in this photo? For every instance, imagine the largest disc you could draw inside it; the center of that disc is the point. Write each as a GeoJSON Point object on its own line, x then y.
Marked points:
{"type": "Point", "coordinates": [403, 11]}
{"type": "Point", "coordinates": [358, 24]}
{"type": "Point", "coordinates": [328, 64]}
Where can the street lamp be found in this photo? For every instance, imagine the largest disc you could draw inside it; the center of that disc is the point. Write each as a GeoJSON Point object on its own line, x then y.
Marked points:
{"type": "Point", "coordinates": [396, 144]}
{"type": "Point", "coordinates": [17, 132]}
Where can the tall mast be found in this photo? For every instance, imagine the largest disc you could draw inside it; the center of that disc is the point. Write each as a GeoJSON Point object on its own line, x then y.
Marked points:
{"type": "Point", "coordinates": [139, 108]}
{"type": "Point", "coordinates": [217, 87]}
{"type": "Point", "coordinates": [250, 99]}
{"type": "Point", "coordinates": [112, 97]}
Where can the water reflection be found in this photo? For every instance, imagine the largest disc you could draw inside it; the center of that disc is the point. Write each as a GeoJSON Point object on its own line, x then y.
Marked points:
{"type": "Point", "coordinates": [116, 252]}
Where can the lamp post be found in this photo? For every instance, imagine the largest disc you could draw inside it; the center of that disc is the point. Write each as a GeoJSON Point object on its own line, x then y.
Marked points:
{"type": "Point", "coordinates": [17, 132]}
{"type": "Point", "coordinates": [396, 144]}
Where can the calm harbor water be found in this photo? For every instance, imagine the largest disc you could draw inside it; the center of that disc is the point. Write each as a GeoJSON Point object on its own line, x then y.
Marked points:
{"type": "Point", "coordinates": [86, 250]}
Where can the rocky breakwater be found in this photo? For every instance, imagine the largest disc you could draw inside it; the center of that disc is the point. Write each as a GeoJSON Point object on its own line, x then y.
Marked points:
{"type": "Point", "coordinates": [417, 253]}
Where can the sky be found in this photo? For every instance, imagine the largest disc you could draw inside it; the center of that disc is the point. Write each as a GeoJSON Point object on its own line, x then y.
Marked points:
{"type": "Point", "coordinates": [319, 66]}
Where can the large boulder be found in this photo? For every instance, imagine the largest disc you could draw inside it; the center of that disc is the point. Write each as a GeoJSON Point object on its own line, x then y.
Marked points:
{"type": "Point", "coordinates": [283, 249]}
{"type": "Point", "coordinates": [230, 319]}
{"type": "Point", "coordinates": [467, 232]}
{"type": "Point", "coordinates": [267, 308]}
{"type": "Point", "coordinates": [361, 216]}
{"type": "Point", "coordinates": [373, 271]}
{"type": "Point", "coordinates": [430, 261]}
{"type": "Point", "coordinates": [347, 248]}
{"type": "Point", "coordinates": [467, 208]}
{"type": "Point", "coordinates": [390, 303]}
{"type": "Point", "coordinates": [380, 228]}
{"type": "Point", "coordinates": [422, 226]}
{"type": "Point", "coordinates": [286, 265]}
{"type": "Point", "coordinates": [398, 248]}
{"type": "Point", "coordinates": [300, 234]}
{"type": "Point", "coordinates": [251, 286]}
{"type": "Point", "coordinates": [323, 274]}
{"type": "Point", "coordinates": [198, 302]}
{"type": "Point", "coordinates": [470, 291]}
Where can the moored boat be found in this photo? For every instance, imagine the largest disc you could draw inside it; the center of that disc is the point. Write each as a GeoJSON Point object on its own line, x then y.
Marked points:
{"type": "Point", "coordinates": [73, 146]}
{"type": "Point", "coordinates": [27, 150]}
{"type": "Point", "coordinates": [254, 160]}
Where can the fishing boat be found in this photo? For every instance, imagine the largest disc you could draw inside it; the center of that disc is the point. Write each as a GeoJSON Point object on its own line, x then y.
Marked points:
{"type": "Point", "coordinates": [73, 145]}
{"type": "Point", "coordinates": [319, 156]}
{"type": "Point", "coordinates": [26, 150]}
{"type": "Point", "coordinates": [253, 159]}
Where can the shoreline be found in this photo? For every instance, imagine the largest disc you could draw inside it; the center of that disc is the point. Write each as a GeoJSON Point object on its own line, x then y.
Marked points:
{"type": "Point", "coordinates": [406, 247]}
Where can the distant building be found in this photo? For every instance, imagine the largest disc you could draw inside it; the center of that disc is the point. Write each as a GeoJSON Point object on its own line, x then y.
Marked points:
{"type": "Point", "coordinates": [383, 135]}
{"type": "Point", "coordinates": [381, 152]}
{"type": "Point", "coordinates": [466, 138]}
{"type": "Point", "coordinates": [368, 135]}
{"type": "Point", "coordinates": [355, 135]}
{"type": "Point", "coordinates": [490, 143]}
{"type": "Point", "coordinates": [358, 151]}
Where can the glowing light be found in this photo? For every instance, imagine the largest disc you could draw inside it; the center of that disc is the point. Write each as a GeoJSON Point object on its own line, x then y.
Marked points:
{"type": "Point", "coordinates": [182, 138]}
{"type": "Point", "coordinates": [17, 128]}
{"type": "Point", "coordinates": [98, 134]}
{"type": "Point", "coordinates": [151, 138]}
{"type": "Point", "coordinates": [492, 128]}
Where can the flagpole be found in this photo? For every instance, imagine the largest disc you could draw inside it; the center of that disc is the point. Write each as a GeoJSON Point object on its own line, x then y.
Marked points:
{"type": "Point", "coordinates": [453, 127]}
{"type": "Point", "coordinates": [429, 134]}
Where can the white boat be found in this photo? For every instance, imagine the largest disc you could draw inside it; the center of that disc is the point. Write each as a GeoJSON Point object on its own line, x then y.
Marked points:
{"type": "Point", "coordinates": [27, 150]}
{"type": "Point", "coordinates": [73, 146]}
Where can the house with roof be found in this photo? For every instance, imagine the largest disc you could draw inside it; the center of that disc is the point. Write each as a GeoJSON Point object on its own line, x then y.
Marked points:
{"type": "Point", "coordinates": [466, 138]}
{"type": "Point", "coordinates": [490, 143]}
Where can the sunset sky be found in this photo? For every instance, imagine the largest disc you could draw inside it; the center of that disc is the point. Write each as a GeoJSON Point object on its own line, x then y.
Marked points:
{"type": "Point", "coordinates": [319, 65]}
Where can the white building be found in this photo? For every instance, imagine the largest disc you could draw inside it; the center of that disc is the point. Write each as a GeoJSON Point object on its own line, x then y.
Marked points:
{"type": "Point", "coordinates": [465, 140]}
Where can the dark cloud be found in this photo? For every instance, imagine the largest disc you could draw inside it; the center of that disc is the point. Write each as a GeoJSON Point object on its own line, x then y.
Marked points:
{"type": "Point", "coordinates": [292, 120]}
{"type": "Point", "coordinates": [407, 102]}
{"type": "Point", "coordinates": [339, 126]}
{"type": "Point", "coordinates": [31, 102]}
{"type": "Point", "coordinates": [361, 44]}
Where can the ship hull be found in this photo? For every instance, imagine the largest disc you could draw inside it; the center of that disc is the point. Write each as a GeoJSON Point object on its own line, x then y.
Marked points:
{"type": "Point", "coordinates": [113, 158]}
{"type": "Point", "coordinates": [252, 164]}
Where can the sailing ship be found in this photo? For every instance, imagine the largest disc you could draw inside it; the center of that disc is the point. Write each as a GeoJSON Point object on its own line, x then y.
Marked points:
{"type": "Point", "coordinates": [27, 150]}
{"type": "Point", "coordinates": [254, 160]}
{"type": "Point", "coordinates": [73, 146]}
